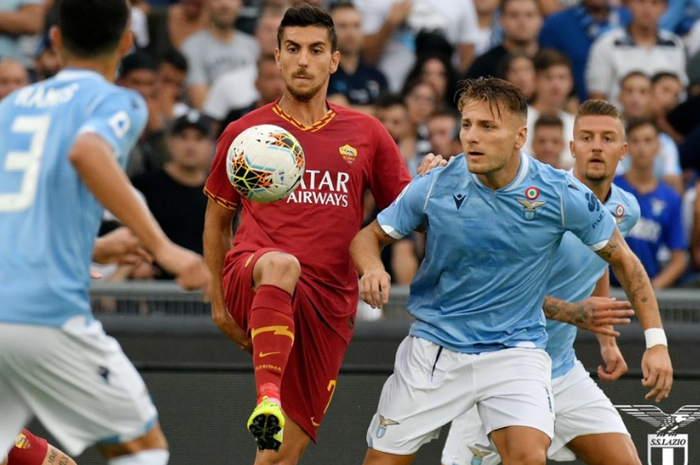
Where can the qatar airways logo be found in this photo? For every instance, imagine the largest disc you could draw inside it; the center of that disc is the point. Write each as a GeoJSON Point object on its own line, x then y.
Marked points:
{"type": "Point", "coordinates": [322, 188]}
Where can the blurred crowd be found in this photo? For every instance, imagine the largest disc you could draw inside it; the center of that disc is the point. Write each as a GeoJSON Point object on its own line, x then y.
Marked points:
{"type": "Point", "coordinates": [201, 64]}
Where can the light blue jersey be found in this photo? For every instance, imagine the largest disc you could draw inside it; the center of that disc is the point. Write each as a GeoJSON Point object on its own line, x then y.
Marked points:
{"type": "Point", "coordinates": [575, 272]}
{"type": "Point", "coordinates": [48, 217]}
{"type": "Point", "coordinates": [488, 253]}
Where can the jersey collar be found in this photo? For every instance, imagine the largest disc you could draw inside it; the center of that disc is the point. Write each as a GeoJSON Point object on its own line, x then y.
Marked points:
{"type": "Point", "coordinates": [522, 173]}
{"type": "Point", "coordinates": [78, 73]}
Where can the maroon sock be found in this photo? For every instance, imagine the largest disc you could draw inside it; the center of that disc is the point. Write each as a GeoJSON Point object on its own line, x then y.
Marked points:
{"type": "Point", "coordinates": [272, 331]}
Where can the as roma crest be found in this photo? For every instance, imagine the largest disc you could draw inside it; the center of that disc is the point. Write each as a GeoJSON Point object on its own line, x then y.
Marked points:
{"type": "Point", "coordinates": [349, 153]}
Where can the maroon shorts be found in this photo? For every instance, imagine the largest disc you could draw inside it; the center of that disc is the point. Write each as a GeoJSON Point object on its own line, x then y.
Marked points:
{"type": "Point", "coordinates": [28, 450]}
{"type": "Point", "coordinates": [311, 375]}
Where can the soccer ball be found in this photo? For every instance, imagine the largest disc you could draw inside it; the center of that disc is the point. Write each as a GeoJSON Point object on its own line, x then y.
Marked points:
{"type": "Point", "coordinates": [265, 163]}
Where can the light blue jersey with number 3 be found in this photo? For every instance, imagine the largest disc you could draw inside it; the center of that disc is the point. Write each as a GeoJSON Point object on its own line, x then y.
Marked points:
{"type": "Point", "coordinates": [48, 217]}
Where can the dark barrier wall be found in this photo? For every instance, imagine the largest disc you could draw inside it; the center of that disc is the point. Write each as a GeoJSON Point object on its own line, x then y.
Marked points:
{"type": "Point", "coordinates": [204, 390]}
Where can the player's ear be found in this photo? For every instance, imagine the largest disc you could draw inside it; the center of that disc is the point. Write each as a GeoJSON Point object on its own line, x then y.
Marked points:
{"type": "Point", "coordinates": [520, 137]}
{"type": "Point", "coordinates": [126, 43]}
{"type": "Point", "coordinates": [277, 58]}
{"type": "Point", "coordinates": [572, 148]}
{"type": "Point", "coordinates": [623, 151]}
{"type": "Point", "coordinates": [56, 39]}
{"type": "Point", "coordinates": [335, 61]}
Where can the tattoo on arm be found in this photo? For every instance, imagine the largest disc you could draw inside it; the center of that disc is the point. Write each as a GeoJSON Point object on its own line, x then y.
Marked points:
{"type": "Point", "coordinates": [565, 312]}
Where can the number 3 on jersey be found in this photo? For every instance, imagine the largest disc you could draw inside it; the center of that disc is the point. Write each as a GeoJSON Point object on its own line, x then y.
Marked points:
{"type": "Point", "coordinates": [28, 161]}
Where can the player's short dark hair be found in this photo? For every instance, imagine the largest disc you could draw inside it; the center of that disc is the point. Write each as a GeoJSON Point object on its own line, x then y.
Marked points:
{"type": "Point", "coordinates": [664, 75]}
{"type": "Point", "coordinates": [633, 74]}
{"type": "Point", "coordinates": [636, 123]}
{"type": "Point", "coordinates": [548, 57]}
{"type": "Point", "coordinates": [548, 120]}
{"type": "Point", "coordinates": [91, 28]}
{"type": "Point", "coordinates": [138, 60]}
{"type": "Point", "coordinates": [305, 15]}
{"type": "Point", "coordinates": [598, 108]}
{"type": "Point", "coordinates": [498, 93]}
{"type": "Point", "coordinates": [176, 59]}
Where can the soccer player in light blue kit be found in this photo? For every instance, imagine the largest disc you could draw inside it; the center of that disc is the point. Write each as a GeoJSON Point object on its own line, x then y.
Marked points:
{"type": "Point", "coordinates": [494, 219]}
{"type": "Point", "coordinates": [61, 144]}
{"type": "Point", "coordinates": [587, 424]}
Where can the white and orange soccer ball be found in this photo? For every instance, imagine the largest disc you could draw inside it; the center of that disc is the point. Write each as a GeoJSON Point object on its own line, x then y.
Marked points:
{"type": "Point", "coordinates": [265, 163]}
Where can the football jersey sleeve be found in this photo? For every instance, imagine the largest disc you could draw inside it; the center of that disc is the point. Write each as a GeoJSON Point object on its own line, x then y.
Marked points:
{"type": "Point", "coordinates": [119, 118]}
{"type": "Point", "coordinates": [407, 212]}
{"type": "Point", "coordinates": [585, 216]}
{"type": "Point", "coordinates": [218, 188]}
{"type": "Point", "coordinates": [389, 172]}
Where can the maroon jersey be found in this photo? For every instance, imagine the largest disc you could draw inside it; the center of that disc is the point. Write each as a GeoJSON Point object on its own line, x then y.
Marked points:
{"type": "Point", "coordinates": [347, 152]}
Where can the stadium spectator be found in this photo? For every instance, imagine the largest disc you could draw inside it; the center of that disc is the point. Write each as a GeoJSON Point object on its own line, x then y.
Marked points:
{"type": "Point", "coordinates": [392, 112]}
{"type": "Point", "coordinates": [219, 48]}
{"type": "Point", "coordinates": [391, 28]}
{"type": "Point", "coordinates": [661, 222]}
{"type": "Point", "coordinates": [666, 90]}
{"type": "Point", "coordinates": [19, 18]}
{"type": "Point", "coordinates": [171, 75]}
{"type": "Point", "coordinates": [641, 46]}
{"type": "Point", "coordinates": [519, 69]}
{"type": "Point", "coordinates": [436, 69]}
{"type": "Point", "coordinates": [174, 193]}
{"type": "Point", "coordinates": [421, 100]}
{"type": "Point", "coordinates": [521, 22]}
{"type": "Point", "coordinates": [553, 85]}
{"type": "Point", "coordinates": [139, 24]}
{"type": "Point", "coordinates": [548, 140]}
{"type": "Point", "coordinates": [635, 98]}
{"type": "Point", "coordinates": [573, 30]}
{"type": "Point", "coordinates": [47, 61]}
{"type": "Point", "coordinates": [443, 133]}
{"type": "Point", "coordinates": [12, 76]}
{"type": "Point", "coordinates": [170, 25]}
{"type": "Point", "coordinates": [269, 87]}
{"type": "Point", "coordinates": [489, 34]}
{"type": "Point", "coordinates": [138, 71]}
{"type": "Point", "coordinates": [357, 81]}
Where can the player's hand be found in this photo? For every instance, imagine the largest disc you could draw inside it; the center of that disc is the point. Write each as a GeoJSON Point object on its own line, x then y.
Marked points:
{"type": "Point", "coordinates": [227, 325]}
{"type": "Point", "coordinates": [429, 162]}
{"type": "Point", "coordinates": [399, 13]}
{"type": "Point", "coordinates": [599, 314]}
{"type": "Point", "coordinates": [374, 287]}
{"type": "Point", "coordinates": [93, 275]}
{"type": "Point", "coordinates": [657, 372]}
{"type": "Point", "coordinates": [615, 365]}
{"type": "Point", "coordinates": [122, 246]}
{"type": "Point", "coordinates": [190, 271]}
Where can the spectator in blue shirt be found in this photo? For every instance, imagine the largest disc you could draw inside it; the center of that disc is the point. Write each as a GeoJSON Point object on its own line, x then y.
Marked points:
{"type": "Point", "coordinates": [660, 223]}
{"type": "Point", "coordinates": [573, 30]}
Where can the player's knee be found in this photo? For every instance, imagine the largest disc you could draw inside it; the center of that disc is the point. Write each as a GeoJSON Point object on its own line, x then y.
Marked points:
{"type": "Point", "coordinates": [280, 269]}
{"type": "Point", "coordinates": [154, 441]}
{"type": "Point", "coordinates": [525, 456]}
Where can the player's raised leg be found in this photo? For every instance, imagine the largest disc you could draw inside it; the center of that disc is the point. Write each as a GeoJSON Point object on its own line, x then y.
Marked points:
{"type": "Point", "coordinates": [605, 449]}
{"type": "Point", "coordinates": [271, 324]}
{"type": "Point", "coordinates": [521, 445]}
{"type": "Point", "coordinates": [33, 450]}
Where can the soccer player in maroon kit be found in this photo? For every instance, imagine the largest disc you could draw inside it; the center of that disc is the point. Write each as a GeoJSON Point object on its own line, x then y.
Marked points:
{"type": "Point", "coordinates": [287, 290]}
{"type": "Point", "coordinates": [33, 450]}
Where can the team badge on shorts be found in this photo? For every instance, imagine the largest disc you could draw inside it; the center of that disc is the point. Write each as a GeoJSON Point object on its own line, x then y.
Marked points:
{"type": "Point", "coordinates": [349, 153]}
{"type": "Point", "coordinates": [665, 446]}
{"type": "Point", "coordinates": [531, 204]}
{"type": "Point", "coordinates": [383, 423]}
{"type": "Point", "coordinates": [478, 454]}
{"type": "Point", "coordinates": [620, 214]}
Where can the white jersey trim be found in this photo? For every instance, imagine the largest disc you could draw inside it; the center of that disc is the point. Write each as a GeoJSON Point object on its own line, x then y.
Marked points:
{"type": "Point", "coordinates": [599, 245]}
{"type": "Point", "coordinates": [391, 231]}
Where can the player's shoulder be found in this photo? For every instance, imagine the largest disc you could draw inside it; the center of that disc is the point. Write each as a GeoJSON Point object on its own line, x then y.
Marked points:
{"type": "Point", "coordinates": [547, 173]}
{"type": "Point", "coordinates": [352, 115]}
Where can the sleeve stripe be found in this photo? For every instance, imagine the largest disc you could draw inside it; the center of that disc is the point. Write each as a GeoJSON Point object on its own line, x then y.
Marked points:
{"type": "Point", "coordinates": [599, 245]}
{"type": "Point", "coordinates": [221, 201]}
{"type": "Point", "coordinates": [391, 231]}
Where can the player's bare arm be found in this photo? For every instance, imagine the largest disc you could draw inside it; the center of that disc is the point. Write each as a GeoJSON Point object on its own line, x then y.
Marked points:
{"type": "Point", "coordinates": [217, 242]}
{"type": "Point", "coordinates": [615, 365]}
{"type": "Point", "coordinates": [656, 364]}
{"type": "Point", "coordinates": [120, 246]}
{"type": "Point", "coordinates": [365, 249]}
{"type": "Point", "coordinates": [594, 314]}
{"type": "Point", "coordinates": [97, 167]}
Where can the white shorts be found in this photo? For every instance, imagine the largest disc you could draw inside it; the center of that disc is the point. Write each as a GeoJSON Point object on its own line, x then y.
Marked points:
{"type": "Point", "coordinates": [431, 386]}
{"type": "Point", "coordinates": [581, 409]}
{"type": "Point", "coordinates": [76, 380]}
